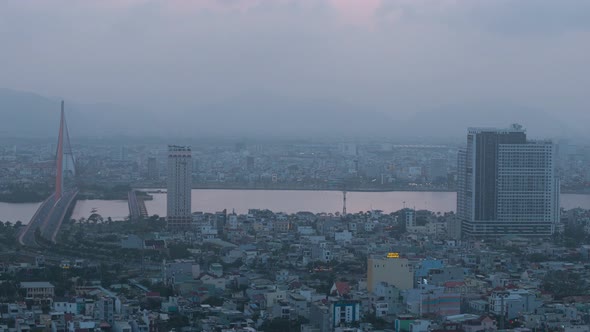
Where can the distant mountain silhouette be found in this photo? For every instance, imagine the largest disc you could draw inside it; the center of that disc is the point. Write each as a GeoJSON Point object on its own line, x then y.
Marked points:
{"type": "Point", "coordinates": [453, 120]}
{"type": "Point", "coordinates": [32, 115]}
{"type": "Point", "coordinates": [25, 114]}
{"type": "Point", "coordinates": [271, 115]}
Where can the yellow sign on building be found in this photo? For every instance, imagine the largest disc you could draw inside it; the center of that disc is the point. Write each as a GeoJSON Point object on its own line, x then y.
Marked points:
{"type": "Point", "coordinates": [393, 255]}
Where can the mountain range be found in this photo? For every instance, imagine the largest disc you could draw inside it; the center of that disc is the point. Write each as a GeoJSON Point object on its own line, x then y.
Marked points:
{"type": "Point", "coordinates": [261, 115]}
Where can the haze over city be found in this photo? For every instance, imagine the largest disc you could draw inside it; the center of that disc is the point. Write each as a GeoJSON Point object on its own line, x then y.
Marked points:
{"type": "Point", "coordinates": [387, 68]}
{"type": "Point", "coordinates": [294, 165]}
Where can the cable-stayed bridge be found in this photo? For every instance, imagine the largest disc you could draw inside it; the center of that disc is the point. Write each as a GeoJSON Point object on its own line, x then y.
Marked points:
{"type": "Point", "coordinates": [47, 220]}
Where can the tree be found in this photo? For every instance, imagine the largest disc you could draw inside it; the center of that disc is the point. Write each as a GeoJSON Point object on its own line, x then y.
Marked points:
{"type": "Point", "coordinates": [564, 283]}
{"type": "Point", "coordinates": [165, 291]}
{"type": "Point", "coordinates": [177, 322]}
{"type": "Point", "coordinates": [8, 291]}
{"type": "Point", "coordinates": [153, 303]}
{"type": "Point", "coordinates": [178, 251]}
{"type": "Point", "coordinates": [214, 301]}
{"type": "Point", "coordinates": [574, 235]}
{"type": "Point", "coordinates": [378, 323]}
{"type": "Point", "coordinates": [283, 325]}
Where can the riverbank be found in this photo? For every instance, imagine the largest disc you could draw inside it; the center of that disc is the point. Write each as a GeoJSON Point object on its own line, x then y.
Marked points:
{"type": "Point", "coordinates": [360, 190]}
{"type": "Point", "coordinates": [291, 188]}
{"type": "Point", "coordinates": [289, 201]}
{"type": "Point", "coordinates": [22, 198]}
{"type": "Point", "coordinates": [116, 195]}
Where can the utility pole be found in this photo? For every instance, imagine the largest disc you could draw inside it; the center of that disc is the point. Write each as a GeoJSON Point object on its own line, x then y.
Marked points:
{"type": "Point", "coordinates": [344, 203]}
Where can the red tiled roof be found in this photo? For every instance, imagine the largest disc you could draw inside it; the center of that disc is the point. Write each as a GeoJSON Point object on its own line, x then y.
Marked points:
{"type": "Point", "coordinates": [342, 287]}
{"type": "Point", "coordinates": [453, 284]}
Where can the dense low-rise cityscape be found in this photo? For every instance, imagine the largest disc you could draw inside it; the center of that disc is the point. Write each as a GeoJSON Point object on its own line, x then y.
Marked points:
{"type": "Point", "coordinates": [409, 270]}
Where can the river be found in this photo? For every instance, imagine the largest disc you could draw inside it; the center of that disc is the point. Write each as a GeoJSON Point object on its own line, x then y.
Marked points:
{"type": "Point", "coordinates": [289, 201]}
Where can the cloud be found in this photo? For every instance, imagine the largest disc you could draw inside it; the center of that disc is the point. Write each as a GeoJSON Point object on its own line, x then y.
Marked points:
{"type": "Point", "coordinates": [395, 56]}
{"type": "Point", "coordinates": [499, 16]}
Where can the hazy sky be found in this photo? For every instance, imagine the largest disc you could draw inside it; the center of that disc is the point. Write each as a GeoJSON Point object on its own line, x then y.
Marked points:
{"type": "Point", "coordinates": [396, 56]}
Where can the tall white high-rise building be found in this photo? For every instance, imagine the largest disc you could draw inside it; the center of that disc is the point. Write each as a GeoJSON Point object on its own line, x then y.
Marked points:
{"type": "Point", "coordinates": [179, 188]}
{"type": "Point", "coordinates": [507, 185]}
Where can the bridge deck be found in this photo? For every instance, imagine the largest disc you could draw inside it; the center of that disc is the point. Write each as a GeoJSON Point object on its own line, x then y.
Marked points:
{"type": "Point", "coordinates": [48, 219]}
{"type": "Point", "coordinates": [137, 208]}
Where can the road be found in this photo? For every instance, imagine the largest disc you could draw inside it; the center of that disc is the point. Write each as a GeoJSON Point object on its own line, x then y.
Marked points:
{"type": "Point", "coordinates": [137, 207]}
{"type": "Point", "coordinates": [53, 223]}
{"type": "Point", "coordinates": [27, 237]}
{"type": "Point", "coordinates": [47, 219]}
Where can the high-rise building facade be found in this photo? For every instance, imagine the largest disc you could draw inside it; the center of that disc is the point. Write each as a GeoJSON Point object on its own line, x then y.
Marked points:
{"type": "Point", "coordinates": [506, 184]}
{"type": "Point", "coordinates": [179, 188]}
